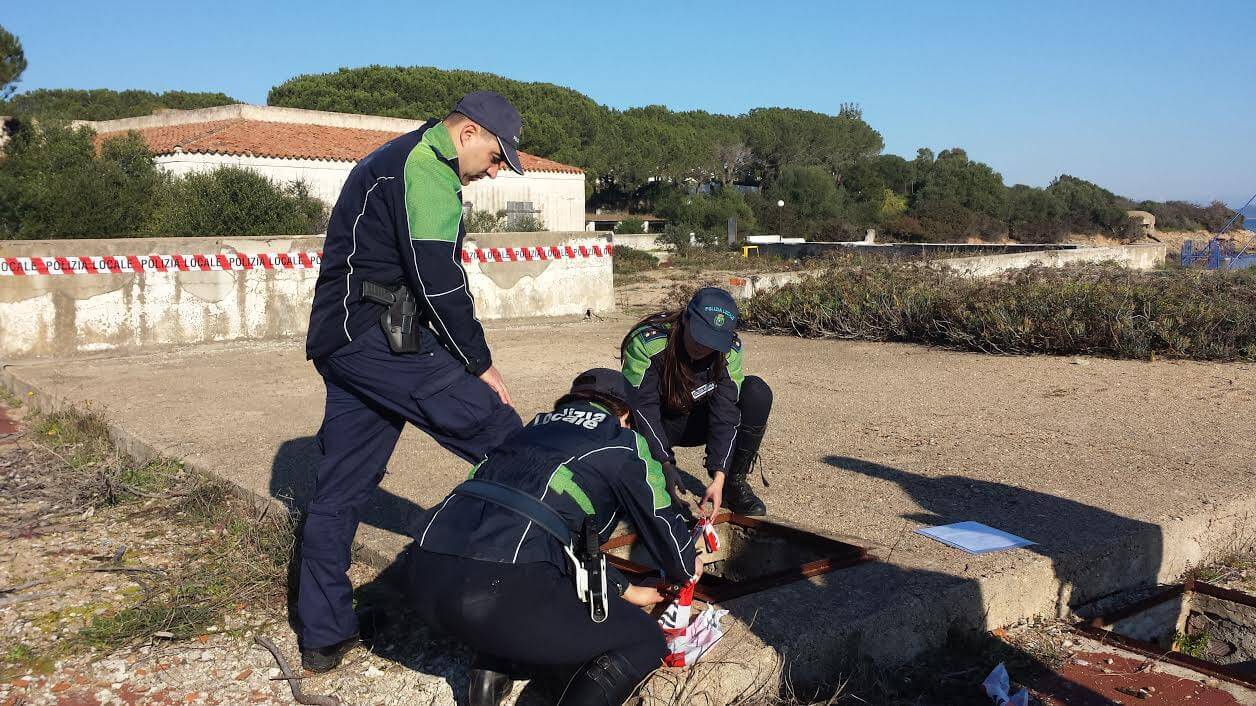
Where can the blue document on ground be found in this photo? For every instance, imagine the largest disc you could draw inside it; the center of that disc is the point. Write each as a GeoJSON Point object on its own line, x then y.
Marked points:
{"type": "Point", "coordinates": [974, 537]}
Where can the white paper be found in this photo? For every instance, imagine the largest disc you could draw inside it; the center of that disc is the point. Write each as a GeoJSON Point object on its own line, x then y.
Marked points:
{"type": "Point", "coordinates": [974, 537]}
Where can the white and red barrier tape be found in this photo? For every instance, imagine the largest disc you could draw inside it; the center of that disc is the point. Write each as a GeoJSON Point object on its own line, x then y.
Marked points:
{"type": "Point", "coordinates": [540, 252]}
{"type": "Point", "coordinates": [228, 262]}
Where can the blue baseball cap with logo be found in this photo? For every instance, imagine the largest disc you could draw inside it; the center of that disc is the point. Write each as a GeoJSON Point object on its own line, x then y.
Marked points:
{"type": "Point", "coordinates": [712, 318]}
{"type": "Point", "coordinates": [495, 114]}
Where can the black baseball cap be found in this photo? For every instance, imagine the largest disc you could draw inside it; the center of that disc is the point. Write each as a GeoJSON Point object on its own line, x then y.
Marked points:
{"type": "Point", "coordinates": [608, 382]}
{"type": "Point", "coordinates": [495, 114]}
{"type": "Point", "coordinates": [712, 317]}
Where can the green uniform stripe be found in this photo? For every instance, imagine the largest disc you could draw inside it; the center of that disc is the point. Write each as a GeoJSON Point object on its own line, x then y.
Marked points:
{"type": "Point", "coordinates": [432, 188]}
{"type": "Point", "coordinates": [653, 474]}
{"type": "Point", "coordinates": [476, 467]}
{"type": "Point", "coordinates": [637, 357]}
{"type": "Point", "coordinates": [563, 482]}
{"type": "Point", "coordinates": [734, 368]}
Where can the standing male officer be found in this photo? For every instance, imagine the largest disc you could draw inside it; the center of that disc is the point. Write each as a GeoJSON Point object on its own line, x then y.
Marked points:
{"type": "Point", "coordinates": [393, 333]}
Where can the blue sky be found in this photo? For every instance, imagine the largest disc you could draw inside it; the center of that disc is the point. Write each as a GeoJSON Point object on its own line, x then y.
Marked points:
{"type": "Point", "coordinates": [1151, 99]}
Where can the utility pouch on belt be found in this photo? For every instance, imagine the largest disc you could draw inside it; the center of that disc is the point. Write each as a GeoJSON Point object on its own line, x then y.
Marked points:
{"type": "Point", "coordinates": [400, 319]}
{"type": "Point", "coordinates": [581, 547]}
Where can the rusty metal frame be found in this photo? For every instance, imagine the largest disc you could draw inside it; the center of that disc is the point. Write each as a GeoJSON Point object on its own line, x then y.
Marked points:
{"type": "Point", "coordinates": [715, 589]}
{"type": "Point", "coordinates": [1094, 628]}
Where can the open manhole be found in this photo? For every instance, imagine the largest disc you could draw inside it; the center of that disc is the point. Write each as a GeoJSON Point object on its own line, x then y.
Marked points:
{"type": "Point", "coordinates": [754, 555]}
{"type": "Point", "coordinates": [1197, 625]}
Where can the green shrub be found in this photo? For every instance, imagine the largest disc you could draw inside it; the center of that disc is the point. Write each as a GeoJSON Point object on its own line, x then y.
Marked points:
{"type": "Point", "coordinates": [526, 223]}
{"type": "Point", "coordinates": [1095, 310]}
{"type": "Point", "coordinates": [497, 222]}
{"type": "Point", "coordinates": [54, 184]}
{"type": "Point", "coordinates": [630, 226]}
{"type": "Point", "coordinates": [1186, 216]}
{"type": "Point", "coordinates": [235, 201]}
{"type": "Point", "coordinates": [629, 261]}
{"type": "Point", "coordinates": [485, 221]}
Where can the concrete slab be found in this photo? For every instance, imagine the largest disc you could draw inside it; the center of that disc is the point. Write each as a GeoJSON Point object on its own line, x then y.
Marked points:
{"type": "Point", "coordinates": [1124, 472]}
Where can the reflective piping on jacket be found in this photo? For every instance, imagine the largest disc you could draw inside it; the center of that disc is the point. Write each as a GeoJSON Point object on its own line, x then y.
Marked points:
{"type": "Point", "coordinates": [519, 546]}
{"type": "Point", "coordinates": [349, 260]}
{"type": "Point", "coordinates": [733, 441]}
{"type": "Point", "coordinates": [431, 521]}
{"type": "Point", "coordinates": [653, 433]}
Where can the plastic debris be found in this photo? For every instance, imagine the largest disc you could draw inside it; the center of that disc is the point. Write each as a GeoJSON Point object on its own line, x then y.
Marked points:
{"type": "Point", "coordinates": [999, 685]}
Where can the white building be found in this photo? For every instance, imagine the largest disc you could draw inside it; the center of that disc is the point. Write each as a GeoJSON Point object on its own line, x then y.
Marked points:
{"type": "Point", "coordinates": [320, 148]}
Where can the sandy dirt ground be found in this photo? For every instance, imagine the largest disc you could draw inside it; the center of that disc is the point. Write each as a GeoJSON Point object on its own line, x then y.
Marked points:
{"type": "Point", "coordinates": [866, 440]}
{"type": "Point", "coordinates": [57, 576]}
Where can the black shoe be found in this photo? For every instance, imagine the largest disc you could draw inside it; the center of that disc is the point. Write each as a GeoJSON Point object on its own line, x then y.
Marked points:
{"type": "Point", "coordinates": [487, 688]}
{"type": "Point", "coordinates": [325, 659]}
{"type": "Point", "coordinates": [740, 498]}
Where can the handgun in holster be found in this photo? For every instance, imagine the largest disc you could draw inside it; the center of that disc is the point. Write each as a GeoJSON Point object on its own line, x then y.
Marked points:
{"type": "Point", "coordinates": [591, 571]}
{"type": "Point", "coordinates": [400, 320]}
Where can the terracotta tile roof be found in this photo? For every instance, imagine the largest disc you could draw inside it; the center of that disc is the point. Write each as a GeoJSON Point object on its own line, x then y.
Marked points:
{"type": "Point", "coordinates": [286, 141]}
{"type": "Point", "coordinates": [533, 163]}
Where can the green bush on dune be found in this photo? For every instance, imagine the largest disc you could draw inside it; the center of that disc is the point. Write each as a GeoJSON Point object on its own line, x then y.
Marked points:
{"type": "Point", "coordinates": [1091, 310]}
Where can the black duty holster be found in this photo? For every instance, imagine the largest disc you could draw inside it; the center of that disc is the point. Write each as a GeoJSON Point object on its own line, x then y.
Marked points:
{"type": "Point", "coordinates": [400, 320]}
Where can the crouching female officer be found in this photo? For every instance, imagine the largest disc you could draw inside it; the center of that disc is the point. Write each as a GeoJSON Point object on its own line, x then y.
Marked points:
{"type": "Point", "coordinates": [687, 369]}
{"type": "Point", "coordinates": [508, 562]}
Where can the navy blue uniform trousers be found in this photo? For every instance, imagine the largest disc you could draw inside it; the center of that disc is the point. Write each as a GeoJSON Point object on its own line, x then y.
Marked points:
{"type": "Point", "coordinates": [371, 394]}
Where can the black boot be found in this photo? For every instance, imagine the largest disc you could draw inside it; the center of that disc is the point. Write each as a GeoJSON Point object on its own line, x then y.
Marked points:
{"type": "Point", "coordinates": [487, 688]}
{"type": "Point", "coordinates": [738, 496]}
{"type": "Point", "coordinates": [606, 680]}
{"type": "Point", "coordinates": [325, 659]}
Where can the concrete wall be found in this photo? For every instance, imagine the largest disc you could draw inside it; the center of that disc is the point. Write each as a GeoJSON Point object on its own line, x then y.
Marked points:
{"type": "Point", "coordinates": [47, 315]}
{"type": "Point", "coordinates": [505, 290]}
{"type": "Point", "coordinates": [644, 241]}
{"type": "Point", "coordinates": [1135, 257]}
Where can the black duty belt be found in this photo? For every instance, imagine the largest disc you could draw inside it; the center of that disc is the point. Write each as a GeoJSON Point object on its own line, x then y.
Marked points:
{"type": "Point", "coordinates": [588, 562]}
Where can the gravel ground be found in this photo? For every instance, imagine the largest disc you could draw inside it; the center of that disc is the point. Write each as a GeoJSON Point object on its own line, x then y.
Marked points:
{"type": "Point", "coordinates": [57, 575]}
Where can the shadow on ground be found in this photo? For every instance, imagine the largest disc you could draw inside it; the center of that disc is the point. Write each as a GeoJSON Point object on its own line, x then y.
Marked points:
{"type": "Point", "coordinates": [292, 483]}
{"type": "Point", "coordinates": [1063, 528]}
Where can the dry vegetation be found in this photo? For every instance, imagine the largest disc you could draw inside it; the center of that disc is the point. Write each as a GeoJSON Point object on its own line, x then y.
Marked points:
{"type": "Point", "coordinates": [1091, 310]}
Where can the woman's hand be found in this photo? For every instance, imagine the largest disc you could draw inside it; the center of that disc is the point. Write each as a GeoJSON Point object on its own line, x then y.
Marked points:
{"type": "Point", "coordinates": [714, 495]}
{"type": "Point", "coordinates": [643, 596]}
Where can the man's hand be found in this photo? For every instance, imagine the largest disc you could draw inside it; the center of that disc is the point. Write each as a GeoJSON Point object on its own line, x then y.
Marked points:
{"type": "Point", "coordinates": [714, 495]}
{"type": "Point", "coordinates": [643, 596]}
{"type": "Point", "coordinates": [493, 379]}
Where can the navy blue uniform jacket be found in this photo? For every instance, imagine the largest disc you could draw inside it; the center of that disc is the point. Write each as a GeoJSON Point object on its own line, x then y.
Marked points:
{"type": "Point", "coordinates": [579, 461]}
{"type": "Point", "coordinates": [399, 220]}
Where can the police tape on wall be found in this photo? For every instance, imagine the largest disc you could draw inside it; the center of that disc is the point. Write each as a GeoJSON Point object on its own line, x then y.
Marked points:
{"type": "Point", "coordinates": [233, 262]}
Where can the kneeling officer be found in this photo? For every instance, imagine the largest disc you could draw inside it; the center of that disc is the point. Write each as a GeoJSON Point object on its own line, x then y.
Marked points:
{"type": "Point", "coordinates": [509, 561]}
